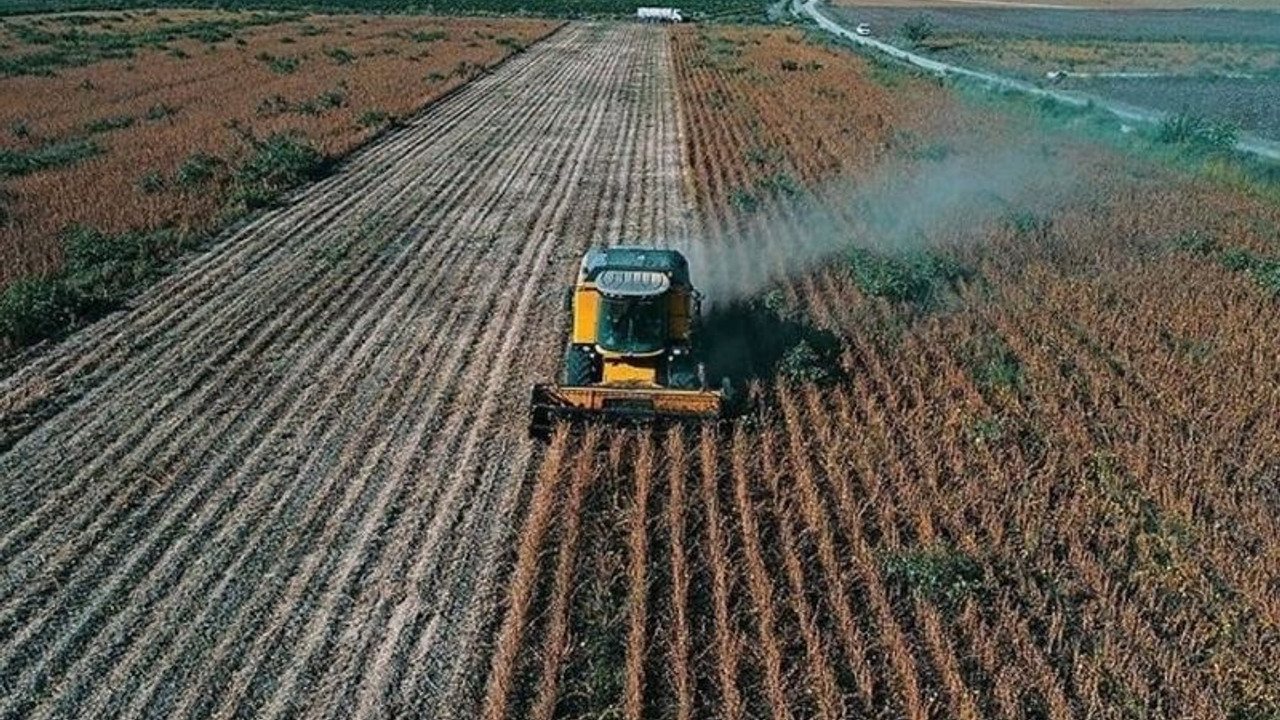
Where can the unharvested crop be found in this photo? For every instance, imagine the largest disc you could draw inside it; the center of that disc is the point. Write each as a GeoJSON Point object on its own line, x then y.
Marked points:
{"type": "Point", "coordinates": [134, 149]}
{"type": "Point", "coordinates": [1007, 503]}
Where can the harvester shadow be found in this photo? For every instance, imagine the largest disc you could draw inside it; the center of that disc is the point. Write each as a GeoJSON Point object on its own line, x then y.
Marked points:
{"type": "Point", "coordinates": [754, 345]}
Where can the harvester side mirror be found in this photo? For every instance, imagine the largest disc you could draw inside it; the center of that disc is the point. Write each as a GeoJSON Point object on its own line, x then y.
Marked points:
{"type": "Point", "coordinates": [566, 301]}
{"type": "Point", "coordinates": [697, 304]}
{"type": "Point", "coordinates": [702, 376]}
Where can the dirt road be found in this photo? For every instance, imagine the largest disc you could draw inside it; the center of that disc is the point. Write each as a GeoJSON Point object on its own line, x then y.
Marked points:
{"type": "Point", "coordinates": [1123, 110]}
{"type": "Point", "coordinates": [283, 483]}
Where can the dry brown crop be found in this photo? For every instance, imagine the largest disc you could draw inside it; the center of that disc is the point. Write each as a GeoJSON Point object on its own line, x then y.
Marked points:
{"type": "Point", "coordinates": [170, 120]}
{"type": "Point", "coordinates": [1015, 504]}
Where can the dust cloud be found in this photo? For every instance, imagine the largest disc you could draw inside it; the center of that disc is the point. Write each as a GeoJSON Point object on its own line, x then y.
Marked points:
{"type": "Point", "coordinates": [942, 198]}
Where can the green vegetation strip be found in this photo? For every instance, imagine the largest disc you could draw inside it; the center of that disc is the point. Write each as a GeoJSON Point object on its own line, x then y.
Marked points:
{"type": "Point", "coordinates": [64, 43]}
{"type": "Point", "coordinates": [22, 162]}
{"type": "Point", "coordinates": [1265, 271]}
{"type": "Point", "coordinates": [102, 271]}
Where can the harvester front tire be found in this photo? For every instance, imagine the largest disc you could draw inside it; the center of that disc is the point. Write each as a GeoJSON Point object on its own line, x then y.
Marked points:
{"type": "Point", "coordinates": [578, 367]}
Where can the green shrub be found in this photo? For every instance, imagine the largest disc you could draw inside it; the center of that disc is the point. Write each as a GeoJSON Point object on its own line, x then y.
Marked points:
{"type": "Point", "coordinates": [280, 163]}
{"type": "Point", "coordinates": [803, 363]}
{"type": "Point", "coordinates": [760, 156]}
{"type": "Point", "coordinates": [914, 277]}
{"type": "Point", "coordinates": [107, 124]}
{"type": "Point", "coordinates": [994, 365]}
{"type": "Point", "coordinates": [1267, 276]}
{"type": "Point", "coordinates": [918, 29]}
{"type": "Point", "coordinates": [209, 33]}
{"type": "Point", "coordinates": [1238, 259]}
{"type": "Point", "coordinates": [98, 273]}
{"type": "Point", "coordinates": [428, 36]}
{"type": "Point", "coordinates": [197, 169]}
{"type": "Point", "coordinates": [327, 101]}
{"type": "Point", "coordinates": [33, 309]}
{"type": "Point", "coordinates": [1264, 271]}
{"type": "Point", "coordinates": [273, 105]}
{"type": "Point", "coordinates": [277, 64]}
{"type": "Point", "coordinates": [744, 201]}
{"type": "Point", "coordinates": [277, 104]}
{"type": "Point", "coordinates": [987, 430]}
{"type": "Point", "coordinates": [1197, 133]}
{"type": "Point", "coordinates": [151, 183]}
{"type": "Point", "coordinates": [160, 111]}
{"type": "Point", "coordinates": [779, 183]}
{"type": "Point", "coordinates": [14, 163]}
{"type": "Point", "coordinates": [944, 575]}
{"type": "Point", "coordinates": [1196, 243]}
{"type": "Point", "coordinates": [1025, 223]}
{"type": "Point", "coordinates": [101, 271]}
{"type": "Point", "coordinates": [373, 118]}
{"type": "Point", "coordinates": [512, 44]}
{"type": "Point", "coordinates": [340, 56]}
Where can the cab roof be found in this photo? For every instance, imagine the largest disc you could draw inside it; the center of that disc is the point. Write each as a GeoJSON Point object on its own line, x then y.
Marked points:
{"type": "Point", "coordinates": [638, 258]}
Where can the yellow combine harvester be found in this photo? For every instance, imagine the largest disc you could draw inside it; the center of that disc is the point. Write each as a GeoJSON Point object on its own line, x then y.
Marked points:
{"type": "Point", "coordinates": [632, 354]}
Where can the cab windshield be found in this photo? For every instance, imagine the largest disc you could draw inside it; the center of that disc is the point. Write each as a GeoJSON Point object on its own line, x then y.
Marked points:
{"type": "Point", "coordinates": [632, 324]}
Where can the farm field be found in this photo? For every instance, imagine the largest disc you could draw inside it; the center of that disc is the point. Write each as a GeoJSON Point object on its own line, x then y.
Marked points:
{"type": "Point", "coordinates": [1013, 452]}
{"type": "Point", "coordinates": [1240, 102]}
{"type": "Point", "coordinates": [992, 501]}
{"type": "Point", "coordinates": [1194, 26]}
{"type": "Point", "coordinates": [1034, 58]}
{"type": "Point", "coordinates": [1222, 63]}
{"type": "Point", "coordinates": [747, 10]}
{"type": "Point", "coordinates": [1073, 4]}
{"type": "Point", "coordinates": [125, 124]}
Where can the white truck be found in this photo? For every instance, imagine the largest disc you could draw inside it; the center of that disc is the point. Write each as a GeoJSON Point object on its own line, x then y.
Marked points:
{"type": "Point", "coordinates": [659, 14]}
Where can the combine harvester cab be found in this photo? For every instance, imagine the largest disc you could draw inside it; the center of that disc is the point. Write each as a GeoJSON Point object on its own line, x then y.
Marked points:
{"type": "Point", "coordinates": [632, 354]}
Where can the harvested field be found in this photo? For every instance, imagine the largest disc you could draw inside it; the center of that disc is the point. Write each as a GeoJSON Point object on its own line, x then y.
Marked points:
{"type": "Point", "coordinates": [150, 117]}
{"type": "Point", "coordinates": [281, 484]}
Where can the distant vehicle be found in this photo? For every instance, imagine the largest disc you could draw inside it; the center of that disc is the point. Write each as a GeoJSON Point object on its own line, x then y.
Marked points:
{"type": "Point", "coordinates": [659, 14]}
{"type": "Point", "coordinates": [863, 29]}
